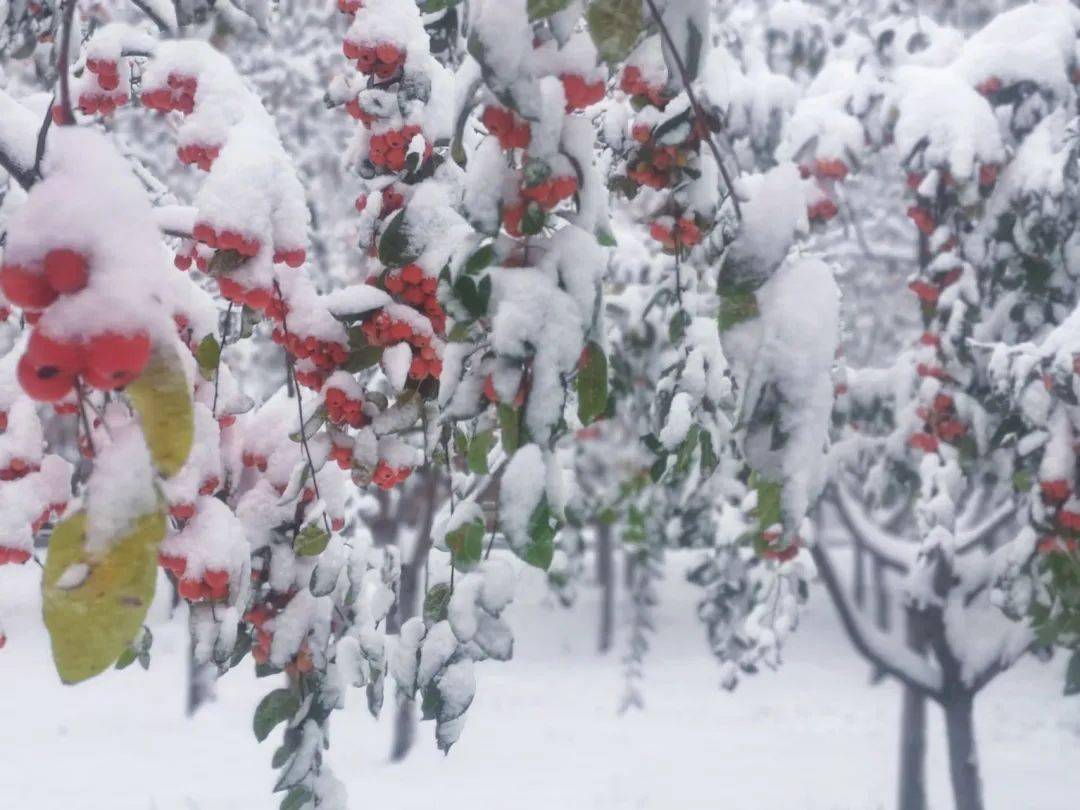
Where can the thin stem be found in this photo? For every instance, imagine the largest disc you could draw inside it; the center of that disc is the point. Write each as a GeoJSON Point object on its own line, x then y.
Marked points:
{"type": "Point", "coordinates": [81, 395]}
{"type": "Point", "coordinates": [291, 367]}
{"type": "Point", "coordinates": [63, 60]}
{"type": "Point", "coordinates": [699, 114]}
{"type": "Point", "coordinates": [217, 369]}
{"type": "Point", "coordinates": [154, 17]}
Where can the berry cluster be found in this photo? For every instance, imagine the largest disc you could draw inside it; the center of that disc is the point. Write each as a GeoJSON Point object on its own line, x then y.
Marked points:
{"type": "Point", "coordinates": [580, 93]}
{"type": "Point", "coordinates": [940, 425]}
{"type": "Point", "coordinates": [825, 169]}
{"type": "Point", "coordinates": [387, 476]}
{"type": "Point", "coordinates": [653, 165]}
{"type": "Point", "coordinates": [201, 155]}
{"type": "Point", "coordinates": [640, 91]}
{"type": "Point", "coordinates": [389, 149]}
{"type": "Point", "coordinates": [675, 234]}
{"type": "Point", "coordinates": [415, 288]}
{"type": "Point", "coordinates": [50, 366]}
{"type": "Point", "coordinates": [383, 330]}
{"type": "Point", "coordinates": [324, 355]}
{"type": "Point", "coordinates": [392, 200]}
{"type": "Point", "coordinates": [212, 586]}
{"type": "Point", "coordinates": [342, 410]}
{"type": "Point", "coordinates": [512, 131]}
{"type": "Point", "coordinates": [17, 468]}
{"type": "Point", "coordinates": [382, 60]}
{"type": "Point", "coordinates": [178, 95]}
{"type": "Point", "coordinates": [226, 239]}
{"type": "Point", "coordinates": [254, 460]}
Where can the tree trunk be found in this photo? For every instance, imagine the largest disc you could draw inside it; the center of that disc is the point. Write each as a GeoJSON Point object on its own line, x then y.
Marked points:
{"type": "Point", "coordinates": [200, 682]}
{"type": "Point", "coordinates": [912, 781]}
{"type": "Point", "coordinates": [963, 758]}
{"type": "Point", "coordinates": [605, 573]}
{"type": "Point", "coordinates": [858, 587]}
{"type": "Point", "coordinates": [408, 596]}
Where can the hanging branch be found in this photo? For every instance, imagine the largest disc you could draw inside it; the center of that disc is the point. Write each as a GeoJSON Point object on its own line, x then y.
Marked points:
{"type": "Point", "coordinates": [291, 367]}
{"type": "Point", "coordinates": [699, 113]}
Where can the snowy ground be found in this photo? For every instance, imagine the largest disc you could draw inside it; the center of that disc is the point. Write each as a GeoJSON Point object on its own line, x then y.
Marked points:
{"type": "Point", "coordinates": [543, 733]}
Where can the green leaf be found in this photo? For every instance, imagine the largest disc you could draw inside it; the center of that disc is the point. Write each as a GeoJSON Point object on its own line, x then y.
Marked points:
{"type": "Point", "coordinates": [677, 327]}
{"type": "Point", "coordinates": [542, 530]}
{"type": "Point", "coordinates": [469, 295]}
{"type": "Point", "coordinates": [509, 427]}
{"type": "Point", "coordinates": [592, 383]}
{"type": "Point", "coordinates": [296, 798]}
{"type": "Point", "coordinates": [605, 237]}
{"type": "Point", "coordinates": [208, 355]}
{"type": "Point", "coordinates": [709, 460]}
{"type": "Point", "coordinates": [467, 544]}
{"type": "Point", "coordinates": [127, 658]}
{"type": "Point", "coordinates": [435, 602]}
{"type": "Point", "coordinates": [311, 541]}
{"type": "Point", "coordinates": [395, 248]}
{"type": "Point", "coordinates": [93, 618]}
{"type": "Point", "coordinates": [479, 448]}
{"type": "Point", "coordinates": [363, 358]}
{"type": "Point", "coordinates": [533, 220]}
{"type": "Point", "coordinates": [614, 26]}
{"type": "Point", "coordinates": [769, 509]}
{"type": "Point", "coordinates": [541, 9]}
{"type": "Point", "coordinates": [1072, 674]}
{"type": "Point", "coordinates": [277, 707]}
{"type": "Point", "coordinates": [736, 308]}
{"type": "Point", "coordinates": [162, 397]}
{"type": "Point", "coordinates": [480, 259]}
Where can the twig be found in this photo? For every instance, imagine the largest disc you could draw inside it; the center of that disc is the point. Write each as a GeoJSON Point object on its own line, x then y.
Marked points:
{"type": "Point", "coordinates": [291, 366]}
{"type": "Point", "coordinates": [154, 17]}
{"type": "Point", "coordinates": [217, 368]}
{"type": "Point", "coordinates": [699, 114]}
{"type": "Point", "coordinates": [43, 134]}
{"type": "Point", "coordinates": [63, 60]}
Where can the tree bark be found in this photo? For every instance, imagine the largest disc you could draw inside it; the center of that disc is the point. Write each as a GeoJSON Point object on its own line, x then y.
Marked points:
{"type": "Point", "coordinates": [912, 777]}
{"type": "Point", "coordinates": [605, 573]}
{"type": "Point", "coordinates": [408, 597]}
{"type": "Point", "coordinates": [963, 758]}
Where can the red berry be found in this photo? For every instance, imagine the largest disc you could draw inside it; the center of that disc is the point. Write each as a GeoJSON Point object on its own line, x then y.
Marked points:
{"type": "Point", "coordinates": [65, 270]}
{"type": "Point", "coordinates": [53, 357]}
{"type": "Point", "coordinates": [25, 288]}
{"type": "Point", "coordinates": [47, 386]}
{"type": "Point", "coordinates": [114, 360]}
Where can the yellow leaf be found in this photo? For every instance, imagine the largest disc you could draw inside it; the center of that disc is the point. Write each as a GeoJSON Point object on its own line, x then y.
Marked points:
{"type": "Point", "coordinates": [95, 606]}
{"type": "Point", "coordinates": [162, 397]}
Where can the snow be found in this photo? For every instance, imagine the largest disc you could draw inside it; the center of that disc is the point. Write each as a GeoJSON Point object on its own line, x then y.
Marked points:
{"type": "Point", "coordinates": [815, 735]}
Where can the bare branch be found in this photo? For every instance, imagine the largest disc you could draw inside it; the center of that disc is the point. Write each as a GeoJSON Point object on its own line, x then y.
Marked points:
{"type": "Point", "coordinates": [888, 655]}
{"type": "Point", "coordinates": [699, 113]}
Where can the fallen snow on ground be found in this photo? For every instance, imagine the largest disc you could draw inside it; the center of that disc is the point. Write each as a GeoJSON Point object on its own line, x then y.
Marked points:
{"type": "Point", "coordinates": [542, 734]}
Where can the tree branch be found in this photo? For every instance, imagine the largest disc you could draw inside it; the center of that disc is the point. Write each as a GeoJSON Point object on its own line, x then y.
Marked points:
{"type": "Point", "coordinates": [884, 653]}
{"type": "Point", "coordinates": [63, 59]}
{"type": "Point", "coordinates": [153, 16]}
{"type": "Point", "coordinates": [886, 548]}
{"type": "Point", "coordinates": [699, 113]}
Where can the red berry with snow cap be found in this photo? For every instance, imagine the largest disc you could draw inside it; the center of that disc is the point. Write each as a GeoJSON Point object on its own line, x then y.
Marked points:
{"type": "Point", "coordinates": [114, 360]}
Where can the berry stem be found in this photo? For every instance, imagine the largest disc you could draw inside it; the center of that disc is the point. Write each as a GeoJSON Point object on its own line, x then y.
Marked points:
{"type": "Point", "coordinates": [291, 368]}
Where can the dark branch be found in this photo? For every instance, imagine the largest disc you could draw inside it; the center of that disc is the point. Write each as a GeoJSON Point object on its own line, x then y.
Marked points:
{"type": "Point", "coordinates": [67, 115]}
{"type": "Point", "coordinates": [153, 16]}
{"type": "Point", "coordinates": [859, 634]}
{"type": "Point", "coordinates": [699, 114]}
